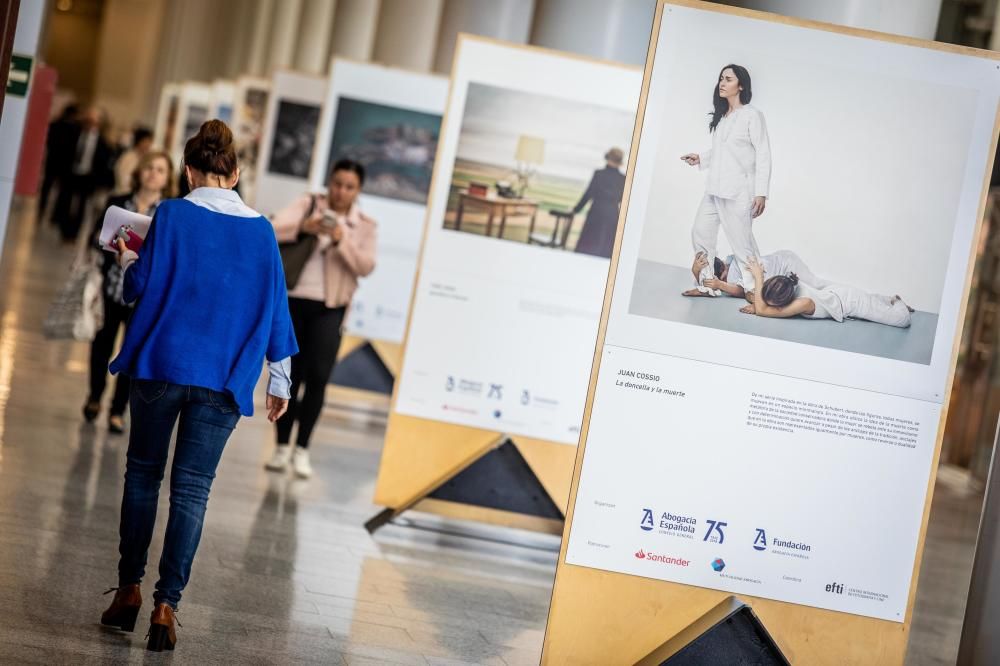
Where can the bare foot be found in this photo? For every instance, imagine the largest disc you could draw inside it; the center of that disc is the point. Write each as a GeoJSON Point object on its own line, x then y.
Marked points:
{"type": "Point", "coordinates": [693, 292]}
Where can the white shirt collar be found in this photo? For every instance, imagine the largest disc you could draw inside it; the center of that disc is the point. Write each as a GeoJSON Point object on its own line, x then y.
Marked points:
{"type": "Point", "coordinates": [221, 200]}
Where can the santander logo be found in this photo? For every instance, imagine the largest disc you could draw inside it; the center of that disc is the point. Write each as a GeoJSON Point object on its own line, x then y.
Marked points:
{"type": "Point", "coordinates": [663, 559]}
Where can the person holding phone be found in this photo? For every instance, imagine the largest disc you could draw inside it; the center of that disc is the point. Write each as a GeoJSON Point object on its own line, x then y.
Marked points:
{"type": "Point", "coordinates": [344, 250]}
{"type": "Point", "coordinates": [210, 306]}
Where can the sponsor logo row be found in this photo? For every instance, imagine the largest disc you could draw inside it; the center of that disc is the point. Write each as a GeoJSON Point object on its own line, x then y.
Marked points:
{"type": "Point", "coordinates": [712, 530]}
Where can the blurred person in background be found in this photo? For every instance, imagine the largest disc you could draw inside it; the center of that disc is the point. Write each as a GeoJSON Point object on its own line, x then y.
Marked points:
{"type": "Point", "coordinates": [344, 251]}
{"type": "Point", "coordinates": [210, 306]}
{"type": "Point", "coordinates": [90, 171]}
{"type": "Point", "coordinates": [152, 181]}
{"type": "Point", "coordinates": [59, 141]}
{"type": "Point", "coordinates": [125, 166]}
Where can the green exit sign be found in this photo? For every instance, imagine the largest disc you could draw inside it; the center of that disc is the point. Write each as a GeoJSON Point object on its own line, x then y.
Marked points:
{"type": "Point", "coordinates": [19, 76]}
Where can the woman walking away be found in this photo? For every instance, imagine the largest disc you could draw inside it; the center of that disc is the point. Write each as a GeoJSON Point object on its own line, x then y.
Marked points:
{"type": "Point", "coordinates": [343, 249]}
{"type": "Point", "coordinates": [739, 173]}
{"type": "Point", "coordinates": [210, 305]}
{"type": "Point", "coordinates": [152, 181]}
{"type": "Point", "coordinates": [607, 185]}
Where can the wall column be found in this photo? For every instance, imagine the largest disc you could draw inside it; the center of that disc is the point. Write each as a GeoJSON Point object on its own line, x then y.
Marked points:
{"type": "Point", "coordinates": [407, 33]}
{"type": "Point", "coordinates": [354, 26]}
{"type": "Point", "coordinates": [608, 29]}
{"type": "Point", "coordinates": [313, 48]}
{"type": "Point", "coordinates": [509, 20]}
{"type": "Point", "coordinates": [284, 35]}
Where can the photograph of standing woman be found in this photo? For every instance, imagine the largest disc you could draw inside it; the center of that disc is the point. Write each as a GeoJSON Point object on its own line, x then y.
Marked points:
{"type": "Point", "coordinates": [739, 173]}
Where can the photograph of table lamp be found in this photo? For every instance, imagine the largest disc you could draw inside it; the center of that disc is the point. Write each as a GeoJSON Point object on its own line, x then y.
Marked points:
{"type": "Point", "coordinates": [530, 151]}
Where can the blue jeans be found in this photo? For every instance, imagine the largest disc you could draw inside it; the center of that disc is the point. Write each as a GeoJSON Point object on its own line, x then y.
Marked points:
{"type": "Point", "coordinates": [207, 418]}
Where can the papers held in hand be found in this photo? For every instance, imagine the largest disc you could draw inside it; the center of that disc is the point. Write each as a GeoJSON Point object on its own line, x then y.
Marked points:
{"type": "Point", "coordinates": [131, 226]}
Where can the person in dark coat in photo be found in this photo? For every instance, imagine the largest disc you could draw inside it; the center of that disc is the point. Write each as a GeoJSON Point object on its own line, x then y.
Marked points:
{"type": "Point", "coordinates": [59, 142]}
{"type": "Point", "coordinates": [605, 191]}
{"type": "Point", "coordinates": [90, 170]}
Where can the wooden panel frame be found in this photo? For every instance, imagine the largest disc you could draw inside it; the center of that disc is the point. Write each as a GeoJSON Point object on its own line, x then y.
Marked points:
{"type": "Point", "coordinates": [420, 454]}
{"type": "Point", "coordinates": [602, 617]}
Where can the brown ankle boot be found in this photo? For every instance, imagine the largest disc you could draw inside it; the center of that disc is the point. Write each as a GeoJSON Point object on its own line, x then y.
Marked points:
{"type": "Point", "coordinates": [162, 635]}
{"type": "Point", "coordinates": [124, 608]}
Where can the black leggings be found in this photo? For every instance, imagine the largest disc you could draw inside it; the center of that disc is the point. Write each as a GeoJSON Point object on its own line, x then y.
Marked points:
{"type": "Point", "coordinates": [115, 316]}
{"type": "Point", "coordinates": [317, 329]}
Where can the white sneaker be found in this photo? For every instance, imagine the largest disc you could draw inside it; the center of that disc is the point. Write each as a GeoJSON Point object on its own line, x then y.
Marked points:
{"type": "Point", "coordinates": [279, 461]}
{"type": "Point", "coordinates": [300, 463]}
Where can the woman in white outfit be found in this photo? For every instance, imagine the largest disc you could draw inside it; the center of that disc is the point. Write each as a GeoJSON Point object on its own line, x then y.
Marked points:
{"type": "Point", "coordinates": [786, 296]}
{"type": "Point", "coordinates": [739, 173]}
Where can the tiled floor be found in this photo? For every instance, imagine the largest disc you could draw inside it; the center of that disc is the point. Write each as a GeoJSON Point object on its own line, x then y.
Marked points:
{"type": "Point", "coordinates": [285, 573]}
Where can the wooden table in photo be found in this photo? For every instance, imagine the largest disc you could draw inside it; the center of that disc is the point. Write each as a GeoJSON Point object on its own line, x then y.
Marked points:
{"type": "Point", "coordinates": [495, 206]}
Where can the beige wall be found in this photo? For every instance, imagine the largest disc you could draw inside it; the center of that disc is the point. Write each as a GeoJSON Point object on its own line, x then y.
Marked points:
{"type": "Point", "coordinates": [127, 56]}
{"type": "Point", "coordinates": [70, 46]}
{"type": "Point", "coordinates": [407, 33]}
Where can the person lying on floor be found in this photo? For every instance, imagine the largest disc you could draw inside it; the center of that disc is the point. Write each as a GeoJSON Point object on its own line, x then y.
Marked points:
{"type": "Point", "coordinates": [786, 296]}
{"type": "Point", "coordinates": [729, 276]}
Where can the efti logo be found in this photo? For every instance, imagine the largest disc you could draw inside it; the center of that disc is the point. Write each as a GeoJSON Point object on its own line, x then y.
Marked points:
{"type": "Point", "coordinates": [760, 541]}
{"type": "Point", "coordinates": [835, 588]}
{"type": "Point", "coordinates": [641, 555]}
{"type": "Point", "coordinates": [715, 526]}
{"type": "Point", "coordinates": [718, 564]}
{"type": "Point", "coordinates": [647, 520]}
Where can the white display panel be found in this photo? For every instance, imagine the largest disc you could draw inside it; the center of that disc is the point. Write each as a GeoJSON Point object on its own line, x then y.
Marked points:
{"type": "Point", "coordinates": [502, 330]}
{"type": "Point", "coordinates": [788, 458]}
{"type": "Point", "coordinates": [248, 125]}
{"type": "Point", "coordinates": [288, 140]}
{"type": "Point", "coordinates": [166, 115]}
{"type": "Point", "coordinates": [223, 101]}
{"type": "Point", "coordinates": [388, 120]}
{"type": "Point", "coordinates": [193, 109]}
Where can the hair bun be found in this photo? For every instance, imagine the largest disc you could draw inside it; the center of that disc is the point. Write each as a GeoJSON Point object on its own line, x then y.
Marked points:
{"type": "Point", "coordinates": [211, 150]}
{"type": "Point", "coordinates": [215, 136]}
{"type": "Point", "coordinates": [794, 278]}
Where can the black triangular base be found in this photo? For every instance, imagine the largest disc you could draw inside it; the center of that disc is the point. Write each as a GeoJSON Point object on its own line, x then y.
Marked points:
{"type": "Point", "coordinates": [363, 369]}
{"type": "Point", "coordinates": [502, 480]}
{"type": "Point", "coordinates": [730, 633]}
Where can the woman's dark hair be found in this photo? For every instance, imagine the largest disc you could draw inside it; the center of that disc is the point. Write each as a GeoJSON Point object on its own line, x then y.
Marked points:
{"type": "Point", "coordinates": [140, 134]}
{"type": "Point", "coordinates": [720, 266]}
{"type": "Point", "coordinates": [779, 290]}
{"type": "Point", "coordinates": [348, 165]}
{"type": "Point", "coordinates": [211, 150]}
{"type": "Point", "coordinates": [719, 104]}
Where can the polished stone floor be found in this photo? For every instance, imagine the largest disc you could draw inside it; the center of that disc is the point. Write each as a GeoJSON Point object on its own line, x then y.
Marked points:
{"type": "Point", "coordinates": [285, 572]}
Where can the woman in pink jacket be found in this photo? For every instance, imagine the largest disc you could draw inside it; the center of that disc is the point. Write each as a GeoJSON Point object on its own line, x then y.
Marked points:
{"type": "Point", "coordinates": [344, 251]}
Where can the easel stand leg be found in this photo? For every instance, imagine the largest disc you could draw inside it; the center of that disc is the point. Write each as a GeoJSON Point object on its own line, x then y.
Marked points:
{"type": "Point", "coordinates": [496, 485]}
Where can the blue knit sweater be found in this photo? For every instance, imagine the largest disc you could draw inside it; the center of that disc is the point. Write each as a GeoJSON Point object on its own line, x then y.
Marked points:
{"type": "Point", "coordinates": [211, 302]}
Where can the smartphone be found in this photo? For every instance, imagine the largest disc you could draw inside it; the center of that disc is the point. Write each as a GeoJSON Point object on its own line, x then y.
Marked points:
{"type": "Point", "coordinates": [329, 220]}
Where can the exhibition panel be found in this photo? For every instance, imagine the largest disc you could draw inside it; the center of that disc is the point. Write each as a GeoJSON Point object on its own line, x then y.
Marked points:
{"type": "Point", "coordinates": [388, 120]}
{"type": "Point", "coordinates": [250, 101]}
{"type": "Point", "coordinates": [505, 308]}
{"type": "Point", "coordinates": [779, 445]}
{"type": "Point", "coordinates": [194, 103]}
{"type": "Point", "coordinates": [288, 139]}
